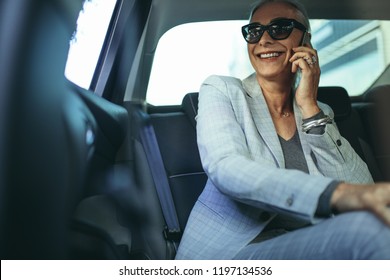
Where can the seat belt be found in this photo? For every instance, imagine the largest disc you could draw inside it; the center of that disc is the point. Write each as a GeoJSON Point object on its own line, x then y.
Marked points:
{"type": "Point", "coordinates": [148, 138]}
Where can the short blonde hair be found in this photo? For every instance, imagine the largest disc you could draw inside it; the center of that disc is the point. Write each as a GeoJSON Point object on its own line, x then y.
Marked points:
{"type": "Point", "coordinates": [295, 4]}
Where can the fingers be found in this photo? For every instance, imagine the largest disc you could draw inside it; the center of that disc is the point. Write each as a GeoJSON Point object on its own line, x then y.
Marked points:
{"type": "Point", "coordinates": [304, 63]}
{"type": "Point", "coordinates": [374, 198]}
{"type": "Point", "coordinates": [306, 60]}
{"type": "Point", "coordinates": [304, 51]}
{"type": "Point", "coordinates": [303, 57]}
{"type": "Point", "coordinates": [311, 61]}
{"type": "Point", "coordinates": [381, 206]}
{"type": "Point", "coordinates": [383, 213]}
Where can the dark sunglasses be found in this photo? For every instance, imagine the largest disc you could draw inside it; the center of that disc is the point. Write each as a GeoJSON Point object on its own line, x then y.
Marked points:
{"type": "Point", "coordinates": [278, 30]}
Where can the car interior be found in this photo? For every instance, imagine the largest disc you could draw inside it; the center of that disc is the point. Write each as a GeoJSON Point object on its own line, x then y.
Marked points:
{"type": "Point", "coordinates": [100, 173]}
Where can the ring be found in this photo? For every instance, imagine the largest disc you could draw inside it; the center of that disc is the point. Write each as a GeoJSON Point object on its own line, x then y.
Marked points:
{"type": "Point", "coordinates": [311, 61]}
{"type": "Point", "coordinates": [308, 61]}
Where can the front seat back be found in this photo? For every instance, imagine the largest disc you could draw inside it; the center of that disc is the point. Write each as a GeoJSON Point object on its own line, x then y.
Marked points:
{"type": "Point", "coordinates": [47, 131]}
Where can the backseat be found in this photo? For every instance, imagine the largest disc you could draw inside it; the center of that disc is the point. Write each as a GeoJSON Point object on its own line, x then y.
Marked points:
{"type": "Point", "coordinates": [177, 143]}
{"type": "Point", "coordinates": [178, 157]}
{"type": "Point", "coordinates": [375, 115]}
{"type": "Point", "coordinates": [174, 132]}
{"type": "Point", "coordinates": [350, 125]}
{"type": "Point", "coordinates": [347, 118]}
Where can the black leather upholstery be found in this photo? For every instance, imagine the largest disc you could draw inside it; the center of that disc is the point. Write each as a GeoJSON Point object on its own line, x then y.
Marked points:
{"type": "Point", "coordinates": [338, 99]}
{"type": "Point", "coordinates": [375, 114]}
{"type": "Point", "coordinates": [60, 145]}
{"type": "Point", "coordinates": [177, 142]}
{"type": "Point", "coordinates": [176, 137]}
{"type": "Point", "coordinates": [190, 106]}
{"type": "Point", "coordinates": [46, 148]}
{"type": "Point", "coordinates": [351, 126]}
{"type": "Point", "coordinates": [149, 233]}
{"type": "Point", "coordinates": [100, 228]}
{"type": "Point", "coordinates": [112, 124]}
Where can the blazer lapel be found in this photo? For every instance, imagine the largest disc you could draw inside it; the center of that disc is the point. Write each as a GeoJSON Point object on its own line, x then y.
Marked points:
{"type": "Point", "coordinates": [262, 118]}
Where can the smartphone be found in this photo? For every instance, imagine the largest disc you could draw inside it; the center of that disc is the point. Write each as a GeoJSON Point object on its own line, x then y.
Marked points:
{"type": "Point", "coordinates": [305, 39]}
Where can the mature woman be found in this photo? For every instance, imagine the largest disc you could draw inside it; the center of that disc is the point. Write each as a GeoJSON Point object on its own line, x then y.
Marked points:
{"type": "Point", "coordinates": [283, 183]}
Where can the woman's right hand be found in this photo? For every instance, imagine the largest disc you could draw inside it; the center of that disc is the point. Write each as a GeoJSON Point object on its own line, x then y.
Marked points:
{"type": "Point", "coordinates": [305, 58]}
{"type": "Point", "coordinates": [373, 197]}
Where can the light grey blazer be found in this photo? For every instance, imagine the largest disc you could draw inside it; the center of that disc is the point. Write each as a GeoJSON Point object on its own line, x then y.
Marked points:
{"type": "Point", "coordinates": [248, 183]}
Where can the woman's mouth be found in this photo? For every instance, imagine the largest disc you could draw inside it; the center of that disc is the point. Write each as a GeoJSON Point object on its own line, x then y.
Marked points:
{"type": "Point", "coordinates": [269, 55]}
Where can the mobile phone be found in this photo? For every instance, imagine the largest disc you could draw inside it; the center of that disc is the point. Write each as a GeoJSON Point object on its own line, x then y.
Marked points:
{"type": "Point", "coordinates": [305, 38]}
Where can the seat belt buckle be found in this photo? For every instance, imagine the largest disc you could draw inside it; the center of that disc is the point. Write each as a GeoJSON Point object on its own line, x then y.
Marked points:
{"type": "Point", "coordinates": [172, 234]}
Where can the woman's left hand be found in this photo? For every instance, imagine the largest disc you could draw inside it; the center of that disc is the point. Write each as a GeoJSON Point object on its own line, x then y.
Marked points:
{"type": "Point", "coordinates": [374, 198]}
{"type": "Point", "coordinates": [305, 58]}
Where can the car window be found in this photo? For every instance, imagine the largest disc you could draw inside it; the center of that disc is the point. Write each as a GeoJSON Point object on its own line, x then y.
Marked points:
{"type": "Point", "coordinates": [352, 54]}
{"type": "Point", "coordinates": [87, 42]}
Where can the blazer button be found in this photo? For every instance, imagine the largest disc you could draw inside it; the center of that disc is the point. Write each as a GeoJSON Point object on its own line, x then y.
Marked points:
{"type": "Point", "coordinates": [265, 216]}
{"type": "Point", "coordinates": [290, 201]}
{"type": "Point", "coordinates": [338, 142]}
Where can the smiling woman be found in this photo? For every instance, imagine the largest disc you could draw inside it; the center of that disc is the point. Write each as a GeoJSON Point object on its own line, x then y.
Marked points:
{"type": "Point", "coordinates": [282, 180]}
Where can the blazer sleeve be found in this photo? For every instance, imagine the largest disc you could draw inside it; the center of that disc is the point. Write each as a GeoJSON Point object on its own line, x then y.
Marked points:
{"type": "Point", "coordinates": [227, 161]}
{"type": "Point", "coordinates": [335, 158]}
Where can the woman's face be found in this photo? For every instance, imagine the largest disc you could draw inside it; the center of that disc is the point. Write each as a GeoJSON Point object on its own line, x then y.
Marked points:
{"type": "Point", "coordinates": [269, 57]}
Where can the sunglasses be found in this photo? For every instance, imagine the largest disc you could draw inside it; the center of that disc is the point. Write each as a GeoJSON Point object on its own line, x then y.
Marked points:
{"type": "Point", "coordinates": [278, 30]}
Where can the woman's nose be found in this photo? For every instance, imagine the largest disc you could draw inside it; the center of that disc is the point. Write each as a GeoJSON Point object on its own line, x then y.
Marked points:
{"type": "Point", "coordinates": [265, 39]}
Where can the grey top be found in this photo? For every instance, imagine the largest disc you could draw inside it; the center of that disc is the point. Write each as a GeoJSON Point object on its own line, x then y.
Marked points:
{"type": "Point", "coordinates": [295, 159]}
{"type": "Point", "coordinates": [293, 153]}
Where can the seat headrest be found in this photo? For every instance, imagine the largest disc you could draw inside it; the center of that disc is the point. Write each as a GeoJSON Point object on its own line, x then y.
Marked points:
{"type": "Point", "coordinates": [336, 97]}
{"type": "Point", "coordinates": [190, 106]}
{"type": "Point", "coordinates": [112, 119]}
{"type": "Point", "coordinates": [377, 94]}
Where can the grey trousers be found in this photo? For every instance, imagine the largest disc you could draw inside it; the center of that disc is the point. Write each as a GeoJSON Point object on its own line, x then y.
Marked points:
{"type": "Point", "coordinates": [353, 235]}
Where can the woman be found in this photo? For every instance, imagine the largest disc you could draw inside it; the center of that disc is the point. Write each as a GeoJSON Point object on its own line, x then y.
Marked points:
{"type": "Point", "coordinates": [278, 168]}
